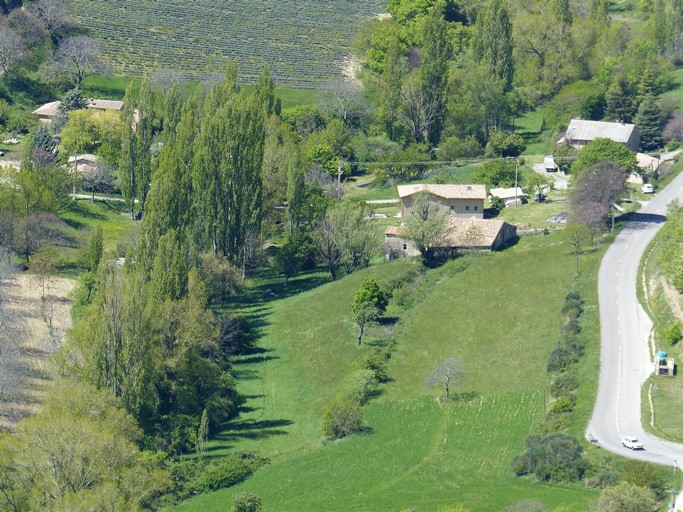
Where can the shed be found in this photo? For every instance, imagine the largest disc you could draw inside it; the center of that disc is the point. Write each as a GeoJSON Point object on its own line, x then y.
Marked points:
{"type": "Point", "coordinates": [580, 132]}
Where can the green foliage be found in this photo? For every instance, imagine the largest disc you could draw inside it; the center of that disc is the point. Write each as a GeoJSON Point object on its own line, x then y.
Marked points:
{"type": "Point", "coordinates": [360, 385]}
{"type": "Point", "coordinates": [452, 148]}
{"type": "Point", "coordinates": [625, 497]}
{"type": "Point", "coordinates": [73, 100]}
{"type": "Point", "coordinates": [581, 99]}
{"type": "Point", "coordinates": [43, 139]}
{"type": "Point", "coordinates": [564, 383]}
{"type": "Point", "coordinates": [397, 167]}
{"type": "Point", "coordinates": [369, 304]}
{"type": "Point", "coordinates": [650, 121]}
{"type": "Point", "coordinates": [492, 42]}
{"type": "Point", "coordinates": [228, 471]}
{"type": "Point", "coordinates": [645, 474]}
{"type": "Point", "coordinates": [497, 173]}
{"type": "Point", "coordinates": [565, 403]}
{"type": "Point", "coordinates": [93, 250]}
{"type": "Point", "coordinates": [341, 418]}
{"type": "Point", "coordinates": [378, 362]}
{"type": "Point", "coordinates": [246, 502]}
{"type": "Point", "coordinates": [673, 334]}
{"type": "Point", "coordinates": [552, 458]}
{"type": "Point", "coordinates": [503, 144]}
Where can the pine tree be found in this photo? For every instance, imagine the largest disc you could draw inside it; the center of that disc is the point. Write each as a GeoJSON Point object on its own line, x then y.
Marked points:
{"type": "Point", "coordinates": [649, 119]}
{"type": "Point", "coordinates": [619, 102]}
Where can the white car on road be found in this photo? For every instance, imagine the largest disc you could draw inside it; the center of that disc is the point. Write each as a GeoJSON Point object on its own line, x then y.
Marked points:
{"type": "Point", "coordinates": [632, 443]}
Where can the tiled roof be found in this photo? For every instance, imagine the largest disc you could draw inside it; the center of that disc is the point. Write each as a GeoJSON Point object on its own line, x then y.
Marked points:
{"type": "Point", "coordinates": [580, 129]}
{"type": "Point", "coordinates": [445, 191]}
{"type": "Point", "coordinates": [49, 109]}
{"type": "Point", "coordinates": [465, 232]}
{"type": "Point", "coordinates": [105, 104]}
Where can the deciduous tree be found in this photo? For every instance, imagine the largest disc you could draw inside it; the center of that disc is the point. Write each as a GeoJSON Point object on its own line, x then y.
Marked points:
{"type": "Point", "coordinates": [426, 227]}
{"type": "Point", "coordinates": [448, 373]}
{"type": "Point", "coordinates": [78, 57]}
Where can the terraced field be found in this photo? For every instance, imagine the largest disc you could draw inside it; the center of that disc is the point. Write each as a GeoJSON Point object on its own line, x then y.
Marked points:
{"type": "Point", "coordinates": [304, 42]}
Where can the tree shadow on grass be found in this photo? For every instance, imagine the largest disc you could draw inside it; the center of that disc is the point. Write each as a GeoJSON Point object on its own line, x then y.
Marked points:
{"type": "Point", "coordinates": [255, 359]}
{"type": "Point", "coordinates": [464, 397]}
{"type": "Point", "coordinates": [253, 429]}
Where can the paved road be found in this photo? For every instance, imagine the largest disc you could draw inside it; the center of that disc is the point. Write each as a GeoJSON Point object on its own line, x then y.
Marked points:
{"type": "Point", "coordinates": [625, 361]}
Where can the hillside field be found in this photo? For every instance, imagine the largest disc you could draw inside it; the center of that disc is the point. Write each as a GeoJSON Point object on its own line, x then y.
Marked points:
{"type": "Point", "coordinates": [303, 42]}
{"type": "Point", "coordinates": [500, 313]}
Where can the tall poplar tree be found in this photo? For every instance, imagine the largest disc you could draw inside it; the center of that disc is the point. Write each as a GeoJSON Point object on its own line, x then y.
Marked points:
{"type": "Point", "coordinates": [395, 70]}
{"type": "Point", "coordinates": [127, 176]}
{"type": "Point", "coordinates": [434, 70]}
{"type": "Point", "coordinates": [492, 42]}
{"type": "Point", "coordinates": [143, 142]}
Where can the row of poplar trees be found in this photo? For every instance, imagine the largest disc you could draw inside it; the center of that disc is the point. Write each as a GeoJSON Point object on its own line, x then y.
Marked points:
{"type": "Point", "coordinates": [147, 332]}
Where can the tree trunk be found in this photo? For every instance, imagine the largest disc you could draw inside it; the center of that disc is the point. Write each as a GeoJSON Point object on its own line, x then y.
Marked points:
{"type": "Point", "coordinates": [360, 334]}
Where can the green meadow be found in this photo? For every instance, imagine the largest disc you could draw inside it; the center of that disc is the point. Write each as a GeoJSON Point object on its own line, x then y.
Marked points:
{"type": "Point", "coordinates": [499, 313]}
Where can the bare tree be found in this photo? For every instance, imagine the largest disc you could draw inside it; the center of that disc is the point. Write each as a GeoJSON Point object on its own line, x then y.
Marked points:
{"type": "Point", "coordinates": [594, 193]}
{"type": "Point", "coordinates": [78, 56]}
{"type": "Point", "coordinates": [165, 78]}
{"type": "Point", "coordinates": [419, 111]}
{"type": "Point", "coordinates": [577, 235]}
{"type": "Point", "coordinates": [53, 13]}
{"type": "Point", "coordinates": [448, 372]}
{"type": "Point", "coordinates": [11, 50]}
{"type": "Point", "coordinates": [345, 99]}
{"type": "Point", "coordinates": [674, 129]}
{"type": "Point", "coordinates": [97, 177]}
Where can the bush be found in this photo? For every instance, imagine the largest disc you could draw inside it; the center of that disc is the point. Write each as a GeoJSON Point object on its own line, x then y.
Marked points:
{"type": "Point", "coordinates": [454, 147]}
{"type": "Point", "coordinates": [360, 385]}
{"type": "Point", "coordinates": [564, 383]}
{"type": "Point", "coordinates": [602, 479]}
{"type": "Point", "coordinates": [572, 305]}
{"type": "Point", "coordinates": [378, 362]}
{"type": "Point", "coordinates": [644, 474]}
{"type": "Point", "coordinates": [673, 334]}
{"type": "Point", "coordinates": [560, 359]}
{"type": "Point", "coordinates": [231, 470]}
{"type": "Point", "coordinates": [552, 458]}
{"type": "Point", "coordinates": [246, 502]}
{"type": "Point", "coordinates": [563, 404]}
{"type": "Point", "coordinates": [342, 417]}
{"type": "Point", "coordinates": [579, 99]}
{"type": "Point", "coordinates": [497, 173]}
{"type": "Point", "coordinates": [573, 296]}
{"type": "Point", "coordinates": [503, 144]}
{"type": "Point", "coordinates": [572, 327]}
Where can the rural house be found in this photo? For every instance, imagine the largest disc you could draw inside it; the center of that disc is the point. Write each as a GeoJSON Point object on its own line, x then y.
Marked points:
{"type": "Point", "coordinates": [457, 200]}
{"type": "Point", "coordinates": [464, 234]}
{"type": "Point", "coordinates": [48, 111]}
{"type": "Point", "coordinates": [580, 132]}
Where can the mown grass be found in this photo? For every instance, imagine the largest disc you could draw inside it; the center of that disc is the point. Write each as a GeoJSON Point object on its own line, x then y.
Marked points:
{"type": "Point", "coordinates": [114, 87]}
{"type": "Point", "coordinates": [675, 95]}
{"type": "Point", "coordinates": [83, 216]}
{"type": "Point", "coordinates": [500, 313]}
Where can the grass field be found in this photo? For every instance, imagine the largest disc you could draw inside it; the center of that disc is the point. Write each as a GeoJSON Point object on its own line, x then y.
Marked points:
{"type": "Point", "coordinates": [304, 42]}
{"type": "Point", "coordinates": [500, 313]}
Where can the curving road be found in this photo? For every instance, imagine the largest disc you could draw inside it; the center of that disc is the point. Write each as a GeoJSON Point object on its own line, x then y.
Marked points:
{"type": "Point", "coordinates": [625, 361]}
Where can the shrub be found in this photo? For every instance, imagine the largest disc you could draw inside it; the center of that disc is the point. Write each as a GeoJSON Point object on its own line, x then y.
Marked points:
{"type": "Point", "coordinates": [564, 383]}
{"type": "Point", "coordinates": [378, 362]}
{"type": "Point", "coordinates": [552, 458]}
{"type": "Point", "coordinates": [454, 147]}
{"type": "Point", "coordinates": [602, 479]}
{"type": "Point", "coordinates": [342, 417]}
{"type": "Point", "coordinates": [573, 296]}
{"type": "Point", "coordinates": [360, 385]}
{"type": "Point", "coordinates": [673, 334]}
{"type": "Point", "coordinates": [560, 359]}
{"type": "Point", "coordinates": [231, 470]}
{"type": "Point", "coordinates": [644, 474]}
{"type": "Point", "coordinates": [246, 502]}
{"type": "Point", "coordinates": [572, 327]}
{"type": "Point", "coordinates": [563, 404]}
{"type": "Point", "coordinates": [503, 144]}
{"type": "Point", "coordinates": [554, 423]}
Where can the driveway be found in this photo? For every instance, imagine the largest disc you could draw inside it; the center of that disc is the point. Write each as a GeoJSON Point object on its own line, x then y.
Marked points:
{"type": "Point", "coordinates": [625, 360]}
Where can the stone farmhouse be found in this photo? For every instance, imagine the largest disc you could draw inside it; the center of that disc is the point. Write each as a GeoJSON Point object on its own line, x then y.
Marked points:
{"type": "Point", "coordinates": [48, 111]}
{"type": "Point", "coordinates": [457, 200]}
{"type": "Point", "coordinates": [467, 228]}
{"type": "Point", "coordinates": [580, 132]}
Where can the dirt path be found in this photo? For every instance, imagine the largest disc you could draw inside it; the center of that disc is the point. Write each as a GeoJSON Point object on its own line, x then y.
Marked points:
{"type": "Point", "coordinates": [30, 330]}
